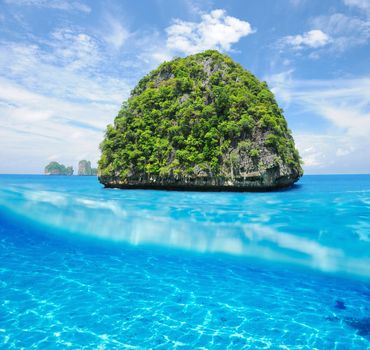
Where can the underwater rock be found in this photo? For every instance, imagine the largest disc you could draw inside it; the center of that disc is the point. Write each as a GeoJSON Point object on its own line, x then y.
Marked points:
{"type": "Point", "coordinates": [362, 325]}
{"type": "Point", "coordinates": [339, 304]}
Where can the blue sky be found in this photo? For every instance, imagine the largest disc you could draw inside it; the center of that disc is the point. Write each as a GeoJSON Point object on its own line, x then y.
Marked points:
{"type": "Point", "coordinates": [66, 67]}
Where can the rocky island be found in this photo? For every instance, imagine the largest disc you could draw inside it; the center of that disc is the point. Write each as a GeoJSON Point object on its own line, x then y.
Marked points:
{"type": "Point", "coordinates": [200, 123]}
{"type": "Point", "coordinates": [85, 169]}
{"type": "Point", "coordinates": [55, 168]}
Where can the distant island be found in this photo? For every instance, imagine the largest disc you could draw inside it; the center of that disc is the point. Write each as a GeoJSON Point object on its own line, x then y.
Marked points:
{"type": "Point", "coordinates": [201, 122]}
{"type": "Point", "coordinates": [84, 169]}
{"type": "Point", "coordinates": [55, 168]}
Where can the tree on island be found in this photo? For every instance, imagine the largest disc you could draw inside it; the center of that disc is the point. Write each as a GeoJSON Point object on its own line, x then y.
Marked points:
{"type": "Point", "coordinates": [85, 169]}
{"type": "Point", "coordinates": [55, 168]}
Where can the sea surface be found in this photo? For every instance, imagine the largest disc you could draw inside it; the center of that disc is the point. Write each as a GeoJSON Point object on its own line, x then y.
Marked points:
{"type": "Point", "coordinates": [83, 267]}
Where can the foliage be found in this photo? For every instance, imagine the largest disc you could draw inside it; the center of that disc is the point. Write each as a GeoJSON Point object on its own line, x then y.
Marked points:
{"type": "Point", "coordinates": [187, 114]}
{"type": "Point", "coordinates": [254, 152]}
{"type": "Point", "coordinates": [55, 168]}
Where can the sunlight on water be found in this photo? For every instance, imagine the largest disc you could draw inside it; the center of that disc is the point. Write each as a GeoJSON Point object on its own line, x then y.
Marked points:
{"type": "Point", "coordinates": [64, 285]}
{"type": "Point", "coordinates": [321, 225]}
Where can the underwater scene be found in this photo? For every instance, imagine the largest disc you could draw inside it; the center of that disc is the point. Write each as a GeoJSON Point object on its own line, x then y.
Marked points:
{"type": "Point", "coordinates": [83, 267]}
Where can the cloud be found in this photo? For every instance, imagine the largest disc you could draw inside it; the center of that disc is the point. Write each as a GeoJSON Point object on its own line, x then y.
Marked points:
{"type": "Point", "coordinates": [74, 50]}
{"type": "Point", "coordinates": [53, 4]}
{"type": "Point", "coordinates": [343, 102]}
{"type": "Point", "coordinates": [59, 73]}
{"type": "Point", "coordinates": [56, 99]}
{"type": "Point", "coordinates": [345, 31]}
{"type": "Point", "coordinates": [38, 127]}
{"type": "Point", "coordinates": [216, 30]}
{"type": "Point", "coordinates": [313, 39]}
{"type": "Point", "coordinates": [116, 34]}
{"type": "Point", "coordinates": [198, 7]}
{"type": "Point", "coordinates": [281, 85]}
{"type": "Point", "coordinates": [345, 105]}
{"type": "Point", "coordinates": [335, 32]}
{"type": "Point", "coordinates": [325, 153]}
{"type": "Point", "coordinates": [360, 4]}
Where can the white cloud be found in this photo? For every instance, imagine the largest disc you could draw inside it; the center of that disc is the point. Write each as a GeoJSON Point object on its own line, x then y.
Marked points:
{"type": "Point", "coordinates": [74, 50]}
{"type": "Point", "coordinates": [345, 31]}
{"type": "Point", "coordinates": [55, 101]}
{"type": "Point", "coordinates": [58, 92]}
{"type": "Point", "coordinates": [160, 56]}
{"type": "Point", "coordinates": [54, 4]}
{"type": "Point", "coordinates": [59, 73]}
{"type": "Point", "coordinates": [330, 153]}
{"type": "Point", "coordinates": [36, 127]}
{"type": "Point", "coordinates": [315, 38]}
{"type": "Point", "coordinates": [280, 85]}
{"type": "Point", "coordinates": [197, 7]}
{"type": "Point", "coordinates": [345, 105]}
{"type": "Point", "coordinates": [116, 34]}
{"type": "Point", "coordinates": [360, 4]}
{"type": "Point", "coordinates": [336, 32]}
{"type": "Point", "coordinates": [343, 102]}
{"type": "Point", "coordinates": [216, 30]}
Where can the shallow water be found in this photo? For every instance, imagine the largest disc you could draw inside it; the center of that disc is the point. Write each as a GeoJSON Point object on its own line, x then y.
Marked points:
{"type": "Point", "coordinates": [88, 268]}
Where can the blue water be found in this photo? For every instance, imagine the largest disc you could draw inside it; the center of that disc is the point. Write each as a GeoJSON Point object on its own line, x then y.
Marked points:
{"type": "Point", "coordinates": [82, 267]}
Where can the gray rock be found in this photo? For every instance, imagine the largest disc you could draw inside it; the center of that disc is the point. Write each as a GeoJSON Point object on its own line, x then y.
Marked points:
{"type": "Point", "coordinates": [85, 169]}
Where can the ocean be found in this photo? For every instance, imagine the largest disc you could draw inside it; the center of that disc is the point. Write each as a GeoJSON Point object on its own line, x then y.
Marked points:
{"type": "Point", "coordinates": [83, 267]}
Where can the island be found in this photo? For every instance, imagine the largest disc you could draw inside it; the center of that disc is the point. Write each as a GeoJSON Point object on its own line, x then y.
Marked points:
{"type": "Point", "coordinates": [204, 123]}
{"type": "Point", "coordinates": [85, 169]}
{"type": "Point", "coordinates": [55, 168]}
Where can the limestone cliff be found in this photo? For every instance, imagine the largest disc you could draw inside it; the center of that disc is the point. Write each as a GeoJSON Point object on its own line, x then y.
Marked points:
{"type": "Point", "coordinates": [85, 169]}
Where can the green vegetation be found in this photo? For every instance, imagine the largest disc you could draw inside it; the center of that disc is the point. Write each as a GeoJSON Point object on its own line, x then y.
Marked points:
{"type": "Point", "coordinates": [55, 168]}
{"type": "Point", "coordinates": [189, 116]}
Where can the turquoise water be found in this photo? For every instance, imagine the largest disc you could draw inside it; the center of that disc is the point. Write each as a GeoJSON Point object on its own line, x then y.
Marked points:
{"type": "Point", "coordinates": [87, 268]}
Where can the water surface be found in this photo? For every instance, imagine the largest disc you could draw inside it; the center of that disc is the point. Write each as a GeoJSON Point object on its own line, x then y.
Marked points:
{"type": "Point", "coordinates": [88, 268]}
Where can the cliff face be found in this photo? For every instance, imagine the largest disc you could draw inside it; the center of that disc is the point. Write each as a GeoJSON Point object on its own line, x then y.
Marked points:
{"type": "Point", "coordinates": [200, 123]}
{"type": "Point", "coordinates": [85, 169]}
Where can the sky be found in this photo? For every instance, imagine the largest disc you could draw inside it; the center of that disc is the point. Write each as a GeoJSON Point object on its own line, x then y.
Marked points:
{"type": "Point", "coordinates": [67, 66]}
